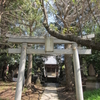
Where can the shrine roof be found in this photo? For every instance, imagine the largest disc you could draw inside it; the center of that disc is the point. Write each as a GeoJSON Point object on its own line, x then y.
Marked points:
{"type": "Point", "coordinates": [51, 60]}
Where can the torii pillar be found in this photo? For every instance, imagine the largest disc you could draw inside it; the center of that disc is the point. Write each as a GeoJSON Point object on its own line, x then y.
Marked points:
{"type": "Point", "coordinates": [77, 72]}
{"type": "Point", "coordinates": [21, 72]}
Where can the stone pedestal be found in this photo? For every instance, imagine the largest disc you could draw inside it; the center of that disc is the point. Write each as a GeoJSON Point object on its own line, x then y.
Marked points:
{"type": "Point", "coordinates": [92, 85]}
{"type": "Point", "coordinates": [92, 81]}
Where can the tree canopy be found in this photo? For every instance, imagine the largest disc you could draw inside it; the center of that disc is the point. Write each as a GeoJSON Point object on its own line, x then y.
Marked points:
{"type": "Point", "coordinates": [76, 17]}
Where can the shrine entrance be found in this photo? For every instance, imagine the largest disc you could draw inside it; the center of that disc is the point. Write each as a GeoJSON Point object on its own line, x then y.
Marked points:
{"type": "Point", "coordinates": [49, 49]}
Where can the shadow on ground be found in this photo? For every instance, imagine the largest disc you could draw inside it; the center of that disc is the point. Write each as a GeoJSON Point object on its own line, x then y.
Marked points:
{"type": "Point", "coordinates": [7, 92]}
{"type": "Point", "coordinates": [63, 94]}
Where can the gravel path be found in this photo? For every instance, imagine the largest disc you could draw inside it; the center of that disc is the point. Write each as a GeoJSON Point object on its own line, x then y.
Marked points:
{"type": "Point", "coordinates": [50, 92]}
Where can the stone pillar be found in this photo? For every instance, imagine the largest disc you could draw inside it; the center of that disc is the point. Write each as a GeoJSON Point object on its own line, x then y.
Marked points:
{"type": "Point", "coordinates": [92, 82]}
{"type": "Point", "coordinates": [77, 72]}
{"type": "Point", "coordinates": [21, 72]}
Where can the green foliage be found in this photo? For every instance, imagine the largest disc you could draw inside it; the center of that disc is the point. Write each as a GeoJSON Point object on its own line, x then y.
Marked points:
{"type": "Point", "coordinates": [51, 9]}
{"type": "Point", "coordinates": [9, 59]}
{"type": "Point", "coordinates": [93, 0]}
{"type": "Point", "coordinates": [24, 90]}
{"type": "Point", "coordinates": [64, 30]}
{"type": "Point", "coordinates": [88, 28]}
{"type": "Point", "coordinates": [53, 27]}
{"type": "Point", "coordinates": [94, 59]}
{"type": "Point", "coordinates": [24, 16]}
{"type": "Point", "coordinates": [37, 63]}
{"type": "Point", "coordinates": [63, 67]}
{"type": "Point", "coordinates": [97, 34]}
{"type": "Point", "coordinates": [71, 29]}
{"type": "Point", "coordinates": [74, 1]}
{"type": "Point", "coordinates": [92, 95]}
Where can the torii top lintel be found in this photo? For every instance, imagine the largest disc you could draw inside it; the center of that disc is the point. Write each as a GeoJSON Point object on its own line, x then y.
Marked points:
{"type": "Point", "coordinates": [41, 40]}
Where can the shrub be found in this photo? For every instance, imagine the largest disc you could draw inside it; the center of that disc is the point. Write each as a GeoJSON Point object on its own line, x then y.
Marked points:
{"type": "Point", "coordinates": [92, 94]}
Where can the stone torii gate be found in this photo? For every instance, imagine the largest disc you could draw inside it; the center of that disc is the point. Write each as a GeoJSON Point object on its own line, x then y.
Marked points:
{"type": "Point", "coordinates": [49, 49]}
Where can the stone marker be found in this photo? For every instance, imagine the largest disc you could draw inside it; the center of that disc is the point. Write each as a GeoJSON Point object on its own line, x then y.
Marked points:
{"type": "Point", "coordinates": [91, 70]}
{"type": "Point", "coordinates": [92, 82]}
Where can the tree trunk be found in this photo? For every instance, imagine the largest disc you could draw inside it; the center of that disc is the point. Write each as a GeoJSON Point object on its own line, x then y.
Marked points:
{"type": "Point", "coordinates": [68, 70]}
{"type": "Point", "coordinates": [29, 72]}
{"type": "Point", "coordinates": [29, 68]}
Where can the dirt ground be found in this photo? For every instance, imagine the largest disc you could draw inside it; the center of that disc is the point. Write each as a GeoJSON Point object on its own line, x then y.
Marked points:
{"type": "Point", "coordinates": [63, 94]}
{"type": "Point", "coordinates": [7, 91]}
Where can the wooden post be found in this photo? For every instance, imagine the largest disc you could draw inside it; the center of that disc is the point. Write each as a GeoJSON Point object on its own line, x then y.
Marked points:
{"type": "Point", "coordinates": [77, 72]}
{"type": "Point", "coordinates": [21, 72]}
